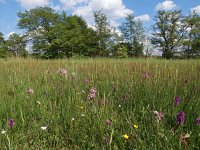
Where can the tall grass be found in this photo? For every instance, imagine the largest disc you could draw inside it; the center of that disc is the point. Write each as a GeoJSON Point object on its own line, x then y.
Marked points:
{"type": "Point", "coordinates": [128, 91]}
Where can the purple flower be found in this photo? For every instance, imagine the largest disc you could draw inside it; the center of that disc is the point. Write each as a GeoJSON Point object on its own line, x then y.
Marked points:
{"type": "Point", "coordinates": [11, 122]}
{"type": "Point", "coordinates": [99, 103]}
{"type": "Point", "coordinates": [29, 91]}
{"type": "Point", "coordinates": [180, 118]}
{"type": "Point", "coordinates": [198, 121]}
{"type": "Point", "coordinates": [92, 93]}
{"type": "Point", "coordinates": [86, 81]}
{"type": "Point", "coordinates": [159, 115]}
{"type": "Point", "coordinates": [177, 100]}
{"type": "Point", "coordinates": [146, 75]}
{"type": "Point", "coordinates": [62, 71]}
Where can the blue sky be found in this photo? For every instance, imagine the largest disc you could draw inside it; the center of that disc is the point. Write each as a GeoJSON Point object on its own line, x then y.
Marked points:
{"type": "Point", "coordinates": [116, 10]}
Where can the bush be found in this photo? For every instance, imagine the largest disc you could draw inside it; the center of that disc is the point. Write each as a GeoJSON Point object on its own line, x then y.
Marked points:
{"type": "Point", "coordinates": [121, 52]}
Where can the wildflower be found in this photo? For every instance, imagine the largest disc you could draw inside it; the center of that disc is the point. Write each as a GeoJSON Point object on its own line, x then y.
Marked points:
{"type": "Point", "coordinates": [73, 74]}
{"type": "Point", "coordinates": [177, 100]}
{"type": "Point", "coordinates": [11, 122]}
{"type": "Point", "coordinates": [99, 102]}
{"type": "Point", "coordinates": [135, 126]}
{"type": "Point", "coordinates": [3, 131]}
{"type": "Point", "coordinates": [86, 81]}
{"type": "Point", "coordinates": [62, 71]}
{"type": "Point", "coordinates": [125, 97]}
{"type": "Point", "coordinates": [198, 121]}
{"type": "Point", "coordinates": [44, 128]}
{"type": "Point", "coordinates": [29, 91]}
{"type": "Point", "coordinates": [73, 119]}
{"type": "Point", "coordinates": [125, 136]}
{"type": "Point", "coordinates": [92, 93]}
{"type": "Point", "coordinates": [159, 115]}
{"type": "Point", "coordinates": [81, 107]}
{"type": "Point", "coordinates": [180, 118]}
{"type": "Point", "coordinates": [38, 102]}
{"type": "Point", "coordinates": [119, 106]}
{"type": "Point", "coordinates": [82, 115]}
{"type": "Point", "coordinates": [146, 75]}
{"type": "Point", "coordinates": [108, 122]}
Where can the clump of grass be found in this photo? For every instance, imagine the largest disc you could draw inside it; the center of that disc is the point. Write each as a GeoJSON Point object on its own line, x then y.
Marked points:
{"type": "Point", "coordinates": [99, 104]}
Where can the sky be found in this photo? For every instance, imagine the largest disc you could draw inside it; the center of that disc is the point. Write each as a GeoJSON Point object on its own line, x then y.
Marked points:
{"type": "Point", "coordinates": [116, 10]}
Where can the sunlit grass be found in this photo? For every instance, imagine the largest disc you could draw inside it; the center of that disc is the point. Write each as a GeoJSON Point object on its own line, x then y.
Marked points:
{"type": "Point", "coordinates": [59, 113]}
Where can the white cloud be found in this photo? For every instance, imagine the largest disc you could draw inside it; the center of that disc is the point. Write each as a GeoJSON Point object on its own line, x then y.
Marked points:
{"type": "Point", "coordinates": [144, 17]}
{"type": "Point", "coordinates": [9, 34]}
{"type": "Point", "coordinates": [196, 9]}
{"type": "Point", "coordinates": [166, 5]}
{"type": "Point", "coordinates": [113, 9]}
{"type": "Point", "coordinates": [70, 3]}
{"type": "Point", "coordinates": [32, 3]}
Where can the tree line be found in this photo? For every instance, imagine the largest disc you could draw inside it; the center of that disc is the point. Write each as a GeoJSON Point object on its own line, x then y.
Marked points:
{"type": "Point", "coordinates": [58, 35]}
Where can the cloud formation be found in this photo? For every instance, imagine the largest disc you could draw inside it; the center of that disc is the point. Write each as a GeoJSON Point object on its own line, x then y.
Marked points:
{"type": "Point", "coordinates": [113, 10]}
{"type": "Point", "coordinates": [166, 5]}
{"type": "Point", "coordinates": [196, 9]}
{"type": "Point", "coordinates": [28, 4]}
{"type": "Point", "coordinates": [143, 18]}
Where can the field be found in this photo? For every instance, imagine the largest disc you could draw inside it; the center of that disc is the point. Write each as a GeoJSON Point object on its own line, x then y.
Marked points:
{"type": "Point", "coordinates": [99, 104]}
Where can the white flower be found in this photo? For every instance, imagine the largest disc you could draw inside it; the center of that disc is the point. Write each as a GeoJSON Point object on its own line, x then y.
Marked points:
{"type": "Point", "coordinates": [73, 119]}
{"type": "Point", "coordinates": [44, 128]}
{"type": "Point", "coordinates": [3, 131]}
{"type": "Point", "coordinates": [82, 115]}
{"type": "Point", "coordinates": [120, 106]}
{"type": "Point", "coordinates": [73, 74]}
{"type": "Point", "coordinates": [155, 112]}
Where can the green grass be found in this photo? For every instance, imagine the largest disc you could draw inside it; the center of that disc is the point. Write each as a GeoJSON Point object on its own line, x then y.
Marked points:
{"type": "Point", "coordinates": [58, 99]}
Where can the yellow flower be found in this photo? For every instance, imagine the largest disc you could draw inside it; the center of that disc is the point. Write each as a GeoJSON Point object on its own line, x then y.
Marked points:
{"type": "Point", "coordinates": [125, 136]}
{"type": "Point", "coordinates": [135, 126]}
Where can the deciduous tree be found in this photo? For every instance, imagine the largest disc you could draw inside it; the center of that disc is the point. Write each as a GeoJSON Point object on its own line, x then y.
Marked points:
{"type": "Point", "coordinates": [168, 32]}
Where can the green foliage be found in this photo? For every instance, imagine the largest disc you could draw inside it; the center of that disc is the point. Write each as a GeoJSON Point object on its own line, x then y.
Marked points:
{"type": "Point", "coordinates": [132, 32]}
{"type": "Point", "coordinates": [103, 33]}
{"type": "Point", "coordinates": [16, 45]}
{"type": "Point", "coordinates": [38, 23]}
{"type": "Point", "coordinates": [56, 35]}
{"type": "Point", "coordinates": [168, 32]}
{"type": "Point", "coordinates": [128, 91]}
{"type": "Point", "coordinates": [137, 49]}
{"type": "Point", "coordinates": [121, 52]}
{"type": "Point", "coordinates": [70, 38]}
{"type": "Point", "coordinates": [3, 50]}
{"type": "Point", "coordinates": [191, 43]}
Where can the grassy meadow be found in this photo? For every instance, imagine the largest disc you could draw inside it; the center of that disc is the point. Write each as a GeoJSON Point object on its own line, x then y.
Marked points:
{"type": "Point", "coordinates": [99, 104]}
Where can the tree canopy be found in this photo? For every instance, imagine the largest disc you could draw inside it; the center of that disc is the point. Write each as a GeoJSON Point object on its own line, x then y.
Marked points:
{"type": "Point", "coordinates": [54, 34]}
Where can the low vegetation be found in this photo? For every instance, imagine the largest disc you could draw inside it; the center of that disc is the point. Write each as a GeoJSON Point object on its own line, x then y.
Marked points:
{"type": "Point", "coordinates": [99, 104]}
